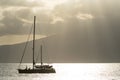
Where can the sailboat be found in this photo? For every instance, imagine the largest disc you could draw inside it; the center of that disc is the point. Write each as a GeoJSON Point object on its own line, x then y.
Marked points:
{"type": "Point", "coordinates": [42, 68]}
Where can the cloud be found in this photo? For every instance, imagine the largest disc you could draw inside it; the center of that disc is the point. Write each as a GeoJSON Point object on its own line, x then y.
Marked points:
{"type": "Point", "coordinates": [84, 16]}
{"type": "Point", "coordinates": [22, 3]}
{"type": "Point", "coordinates": [16, 15]}
{"type": "Point", "coordinates": [16, 21]}
{"type": "Point", "coordinates": [53, 3]}
{"type": "Point", "coordinates": [57, 19]}
{"type": "Point", "coordinates": [66, 10]}
{"type": "Point", "coordinates": [63, 11]}
{"type": "Point", "coordinates": [66, 16]}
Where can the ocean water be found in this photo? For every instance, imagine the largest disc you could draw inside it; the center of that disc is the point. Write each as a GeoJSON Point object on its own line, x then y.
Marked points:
{"type": "Point", "coordinates": [65, 71]}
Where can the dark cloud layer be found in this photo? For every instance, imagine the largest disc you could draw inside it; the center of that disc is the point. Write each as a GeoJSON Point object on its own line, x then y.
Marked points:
{"type": "Point", "coordinates": [105, 13]}
{"type": "Point", "coordinates": [18, 3]}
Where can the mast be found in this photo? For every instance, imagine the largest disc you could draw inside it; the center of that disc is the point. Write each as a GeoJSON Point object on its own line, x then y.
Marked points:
{"type": "Point", "coordinates": [41, 56]}
{"type": "Point", "coordinates": [34, 41]}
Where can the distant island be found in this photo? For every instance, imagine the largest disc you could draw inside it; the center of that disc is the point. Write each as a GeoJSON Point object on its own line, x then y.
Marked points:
{"type": "Point", "coordinates": [60, 52]}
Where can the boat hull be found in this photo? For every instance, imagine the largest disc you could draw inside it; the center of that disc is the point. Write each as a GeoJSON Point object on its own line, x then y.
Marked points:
{"type": "Point", "coordinates": [37, 71]}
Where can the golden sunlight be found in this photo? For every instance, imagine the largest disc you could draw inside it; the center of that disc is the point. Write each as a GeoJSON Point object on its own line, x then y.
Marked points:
{"type": "Point", "coordinates": [76, 71]}
{"type": "Point", "coordinates": [83, 67]}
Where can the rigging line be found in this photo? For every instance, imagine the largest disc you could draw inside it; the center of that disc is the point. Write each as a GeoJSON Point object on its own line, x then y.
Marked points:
{"type": "Point", "coordinates": [37, 56]}
{"type": "Point", "coordinates": [26, 46]}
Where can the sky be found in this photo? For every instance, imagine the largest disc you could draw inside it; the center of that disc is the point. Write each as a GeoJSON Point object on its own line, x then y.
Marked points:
{"type": "Point", "coordinates": [82, 25]}
{"type": "Point", "coordinates": [56, 16]}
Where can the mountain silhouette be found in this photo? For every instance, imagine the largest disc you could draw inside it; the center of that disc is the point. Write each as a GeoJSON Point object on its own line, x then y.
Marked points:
{"type": "Point", "coordinates": [62, 49]}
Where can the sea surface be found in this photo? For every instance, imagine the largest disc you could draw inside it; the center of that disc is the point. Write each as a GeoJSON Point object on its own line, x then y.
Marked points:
{"type": "Point", "coordinates": [65, 71]}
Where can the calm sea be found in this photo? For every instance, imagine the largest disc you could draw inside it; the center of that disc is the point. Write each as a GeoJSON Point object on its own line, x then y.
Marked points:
{"type": "Point", "coordinates": [65, 71]}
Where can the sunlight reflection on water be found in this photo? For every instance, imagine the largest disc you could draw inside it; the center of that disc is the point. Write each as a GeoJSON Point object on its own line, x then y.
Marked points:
{"type": "Point", "coordinates": [65, 71]}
